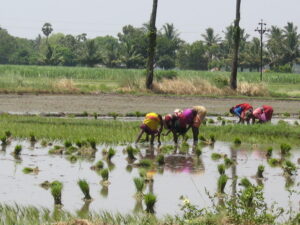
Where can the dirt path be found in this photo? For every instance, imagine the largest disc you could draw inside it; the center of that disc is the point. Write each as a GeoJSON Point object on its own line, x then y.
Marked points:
{"type": "Point", "coordinates": [105, 103]}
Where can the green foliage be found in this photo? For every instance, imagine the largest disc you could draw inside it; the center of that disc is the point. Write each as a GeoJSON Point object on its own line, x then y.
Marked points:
{"type": "Point", "coordinates": [160, 159]}
{"type": "Point", "coordinates": [27, 170]}
{"type": "Point", "coordinates": [237, 141]}
{"type": "Point", "coordinates": [150, 201]}
{"type": "Point", "coordinates": [145, 163]}
{"type": "Point", "coordinates": [198, 151]}
{"type": "Point", "coordinates": [114, 115]}
{"type": "Point", "coordinates": [32, 137]}
{"type": "Point", "coordinates": [92, 142]}
{"type": "Point", "coordinates": [216, 156]}
{"type": "Point", "coordinates": [131, 152]}
{"type": "Point", "coordinates": [84, 187]}
{"type": "Point", "coordinates": [289, 167]}
{"type": "Point", "coordinates": [221, 169]}
{"type": "Point", "coordinates": [67, 144]}
{"type": "Point", "coordinates": [286, 114]}
{"type": "Point", "coordinates": [228, 162]}
{"type": "Point", "coordinates": [285, 149]}
{"type": "Point", "coordinates": [210, 121]}
{"type": "Point", "coordinates": [222, 181]}
{"type": "Point", "coordinates": [274, 162]}
{"type": "Point", "coordinates": [56, 188]}
{"type": "Point", "coordinates": [18, 150]}
{"type": "Point", "coordinates": [4, 140]}
{"type": "Point", "coordinates": [139, 184]}
{"type": "Point", "coordinates": [165, 74]}
{"type": "Point", "coordinates": [8, 134]}
{"type": "Point", "coordinates": [260, 170]}
{"type": "Point", "coordinates": [184, 148]}
{"type": "Point", "coordinates": [104, 174]}
{"type": "Point", "coordinates": [111, 152]}
{"type": "Point", "coordinates": [245, 183]}
{"type": "Point", "coordinates": [269, 152]}
{"type": "Point", "coordinates": [99, 165]}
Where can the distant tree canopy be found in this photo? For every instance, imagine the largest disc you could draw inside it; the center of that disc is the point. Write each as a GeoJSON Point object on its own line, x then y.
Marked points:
{"type": "Point", "coordinates": [129, 49]}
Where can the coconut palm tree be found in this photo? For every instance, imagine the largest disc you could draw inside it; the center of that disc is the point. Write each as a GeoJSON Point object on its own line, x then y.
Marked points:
{"type": "Point", "coordinates": [274, 46]}
{"type": "Point", "coordinates": [291, 43]}
{"type": "Point", "coordinates": [47, 30]}
{"type": "Point", "coordinates": [210, 38]}
{"type": "Point", "coordinates": [152, 45]}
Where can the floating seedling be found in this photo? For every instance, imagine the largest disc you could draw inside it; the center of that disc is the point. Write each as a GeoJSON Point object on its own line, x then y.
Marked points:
{"type": "Point", "coordinates": [111, 152]}
{"type": "Point", "coordinates": [18, 150]}
{"type": "Point", "coordinates": [245, 183]}
{"type": "Point", "coordinates": [211, 121]}
{"type": "Point", "coordinates": [216, 156]}
{"type": "Point", "coordinates": [260, 171]}
{"type": "Point", "coordinates": [289, 168]}
{"type": "Point", "coordinates": [56, 150]}
{"type": "Point", "coordinates": [46, 185]}
{"type": "Point", "coordinates": [84, 187]}
{"type": "Point", "coordinates": [269, 152]}
{"type": "Point", "coordinates": [104, 174]}
{"type": "Point", "coordinates": [228, 162]}
{"type": "Point", "coordinates": [145, 163]}
{"type": "Point", "coordinates": [98, 166]}
{"type": "Point", "coordinates": [221, 169]}
{"type": "Point", "coordinates": [32, 137]}
{"type": "Point", "coordinates": [56, 188]}
{"type": "Point", "coordinates": [150, 200]}
{"type": "Point", "coordinates": [237, 141]}
{"type": "Point", "coordinates": [285, 149]}
{"type": "Point", "coordinates": [222, 181]}
{"type": "Point", "coordinates": [28, 170]}
{"type": "Point", "coordinates": [274, 162]}
{"type": "Point", "coordinates": [139, 185]}
{"type": "Point", "coordinates": [160, 159]}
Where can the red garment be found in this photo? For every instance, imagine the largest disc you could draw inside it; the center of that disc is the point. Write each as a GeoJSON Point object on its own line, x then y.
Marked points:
{"type": "Point", "coordinates": [245, 107]}
{"type": "Point", "coordinates": [268, 110]}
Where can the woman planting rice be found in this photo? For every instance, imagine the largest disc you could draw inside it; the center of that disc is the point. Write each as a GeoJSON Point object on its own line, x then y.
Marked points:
{"type": "Point", "coordinates": [241, 110]}
{"type": "Point", "coordinates": [263, 114]}
{"type": "Point", "coordinates": [152, 125]}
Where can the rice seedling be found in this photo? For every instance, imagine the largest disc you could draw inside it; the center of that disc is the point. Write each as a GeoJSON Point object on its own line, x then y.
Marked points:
{"type": "Point", "coordinates": [219, 118]}
{"type": "Point", "coordinates": [202, 138]}
{"type": "Point", "coordinates": [56, 189]}
{"type": "Point", "coordinates": [27, 170]}
{"type": "Point", "coordinates": [274, 162]}
{"type": "Point", "coordinates": [95, 115]}
{"type": "Point", "coordinates": [212, 138]}
{"type": "Point", "coordinates": [32, 137]}
{"type": "Point", "coordinates": [131, 152]}
{"type": "Point", "coordinates": [150, 200]}
{"type": "Point", "coordinates": [143, 173]}
{"type": "Point", "coordinates": [145, 163]}
{"type": "Point", "coordinates": [46, 185]}
{"type": "Point", "coordinates": [166, 149]}
{"type": "Point", "coordinates": [139, 114]}
{"type": "Point", "coordinates": [222, 181]}
{"type": "Point", "coordinates": [245, 183]}
{"type": "Point", "coordinates": [228, 162]}
{"type": "Point", "coordinates": [104, 174]}
{"type": "Point", "coordinates": [8, 134]}
{"type": "Point", "coordinates": [85, 114]}
{"type": "Point", "coordinates": [237, 141]}
{"type": "Point", "coordinates": [139, 184]}
{"type": "Point", "coordinates": [67, 144]}
{"type": "Point", "coordinates": [73, 158]}
{"type": "Point", "coordinates": [111, 152]}
{"type": "Point", "coordinates": [78, 143]}
{"type": "Point", "coordinates": [198, 151]}
{"type": "Point", "coordinates": [285, 149]}
{"type": "Point", "coordinates": [184, 148]}
{"type": "Point", "coordinates": [114, 115]}
{"type": "Point", "coordinates": [98, 166]}
{"type": "Point", "coordinates": [210, 121]}
{"type": "Point", "coordinates": [92, 142]}
{"type": "Point", "coordinates": [70, 150]}
{"type": "Point", "coordinates": [221, 169]}
{"type": "Point", "coordinates": [286, 114]}
{"type": "Point", "coordinates": [216, 156]}
{"type": "Point", "coordinates": [260, 171]}
{"type": "Point", "coordinates": [223, 123]}
{"type": "Point", "coordinates": [269, 152]}
{"type": "Point", "coordinates": [44, 143]}
{"type": "Point", "coordinates": [17, 150]}
{"type": "Point", "coordinates": [84, 187]}
{"type": "Point", "coordinates": [4, 140]}
{"type": "Point", "coordinates": [289, 168]}
{"type": "Point", "coordinates": [160, 159]}
{"type": "Point", "coordinates": [296, 123]}
{"type": "Point", "coordinates": [56, 150]}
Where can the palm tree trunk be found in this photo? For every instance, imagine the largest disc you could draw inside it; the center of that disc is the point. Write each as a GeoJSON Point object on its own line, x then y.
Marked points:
{"type": "Point", "coordinates": [152, 45]}
{"type": "Point", "coordinates": [237, 31]}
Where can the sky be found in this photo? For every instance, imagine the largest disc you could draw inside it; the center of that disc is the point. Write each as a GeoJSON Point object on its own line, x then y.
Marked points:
{"type": "Point", "coordinates": [24, 18]}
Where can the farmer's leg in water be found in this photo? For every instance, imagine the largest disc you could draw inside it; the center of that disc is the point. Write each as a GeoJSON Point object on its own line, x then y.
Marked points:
{"type": "Point", "coordinates": [152, 139]}
{"type": "Point", "coordinates": [195, 134]}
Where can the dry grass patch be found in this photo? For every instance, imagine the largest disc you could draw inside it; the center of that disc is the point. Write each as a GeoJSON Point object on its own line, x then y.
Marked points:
{"type": "Point", "coordinates": [252, 89]}
{"type": "Point", "coordinates": [65, 85]}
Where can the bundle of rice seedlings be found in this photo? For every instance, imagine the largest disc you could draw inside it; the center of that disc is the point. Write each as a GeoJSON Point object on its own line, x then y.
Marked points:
{"type": "Point", "coordinates": [150, 200]}
{"type": "Point", "coordinates": [84, 187]}
{"type": "Point", "coordinates": [160, 159]}
{"type": "Point", "coordinates": [260, 171]}
{"type": "Point", "coordinates": [221, 169]}
{"type": "Point", "coordinates": [222, 181]}
{"type": "Point", "coordinates": [56, 188]}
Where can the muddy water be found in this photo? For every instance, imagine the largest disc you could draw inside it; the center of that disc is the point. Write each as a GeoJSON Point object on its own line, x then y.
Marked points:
{"type": "Point", "coordinates": [182, 174]}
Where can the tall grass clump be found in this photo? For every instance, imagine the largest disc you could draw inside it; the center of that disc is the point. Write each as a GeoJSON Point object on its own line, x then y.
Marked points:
{"type": "Point", "coordinates": [17, 150]}
{"type": "Point", "coordinates": [84, 187]}
{"type": "Point", "coordinates": [8, 134]}
{"type": "Point", "coordinates": [56, 189]}
{"type": "Point", "coordinates": [222, 181]}
{"type": "Point", "coordinates": [273, 162]}
{"type": "Point", "coordinates": [221, 169]}
{"type": "Point", "coordinates": [260, 171]}
{"type": "Point", "coordinates": [139, 184]}
{"type": "Point", "coordinates": [150, 200]}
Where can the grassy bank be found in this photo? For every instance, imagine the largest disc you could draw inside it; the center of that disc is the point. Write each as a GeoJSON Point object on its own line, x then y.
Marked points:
{"type": "Point", "coordinates": [46, 79]}
{"type": "Point", "coordinates": [113, 132]}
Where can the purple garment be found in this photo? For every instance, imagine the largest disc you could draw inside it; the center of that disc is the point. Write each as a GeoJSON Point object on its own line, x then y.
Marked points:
{"type": "Point", "coordinates": [188, 116]}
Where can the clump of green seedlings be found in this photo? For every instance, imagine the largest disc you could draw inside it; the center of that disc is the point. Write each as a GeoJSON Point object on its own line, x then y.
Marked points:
{"type": "Point", "coordinates": [260, 171]}
{"type": "Point", "coordinates": [78, 143]}
{"type": "Point", "coordinates": [56, 188]}
{"type": "Point", "coordinates": [222, 181]}
{"type": "Point", "coordinates": [85, 114]}
{"type": "Point", "coordinates": [56, 150]}
{"type": "Point", "coordinates": [166, 149]}
{"type": "Point", "coordinates": [202, 138]}
{"type": "Point", "coordinates": [17, 150]}
{"type": "Point", "coordinates": [212, 138]}
{"type": "Point", "coordinates": [245, 183]}
{"type": "Point", "coordinates": [273, 162]}
{"type": "Point", "coordinates": [98, 166]}
{"type": "Point", "coordinates": [223, 123]}
{"type": "Point", "coordinates": [216, 156]}
{"type": "Point", "coordinates": [46, 185]}
{"type": "Point", "coordinates": [44, 143]}
{"type": "Point", "coordinates": [67, 144]}
{"type": "Point", "coordinates": [139, 186]}
{"type": "Point", "coordinates": [289, 168]}
{"type": "Point", "coordinates": [143, 173]}
{"type": "Point", "coordinates": [228, 162]}
{"type": "Point", "coordinates": [84, 187]}
{"type": "Point", "coordinates": [221, 169]}
{"type": "Point", "coordinates": [285, 149]}
{"type": "Point", "coordinates": [131, 153]}
{"type": "Point", "coordinates": [105, 175]}
{"type": "Point", "coordinates": [145, 163]}
{"type": "Point", "coordinates": [219, 118]}
{"type": "Point", "coordinates": [211, 121]}
{"type": "Point", "coordinates": [92, 142]}
{"type": "Point", "coordinates": [139, 114]}
{"type": "Point", "coordinates": [32, 137]}
{"type": "Point", "coordinates": [237, 141]}
{"type": "Point", "coordinates": [111, 152]}
{"type": "Point", "coordinates": [70, 150]}
{"type": "Point", "coordinates": [8, 134]}
{"type": "Point", "coordinates": [150, 200]}
{"type": "Point", "coordinates": [114, 115]}
{"type": "Point", "coordinates": [28, 170]}
{"type": "Point", "coordinates": [198, 151]}
{"type": "Point", "coordinates": [73, 158]}
{"type": "Point", "coordinates": [95, 115]}
{"type": "Point", "coordinates": [4, 141]}
{"type": "Point", "coordinates": [269, 152]}
{"type": "Point", "coordinates": [184, 148]}
{"type": "Point", "coordinates": [160, 159]}
{"type": "Point", "coordinates": [286, 114]}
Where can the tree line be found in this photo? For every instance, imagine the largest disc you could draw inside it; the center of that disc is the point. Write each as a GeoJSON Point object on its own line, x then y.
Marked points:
{"type": "Point", "coordinates": [130, 49]}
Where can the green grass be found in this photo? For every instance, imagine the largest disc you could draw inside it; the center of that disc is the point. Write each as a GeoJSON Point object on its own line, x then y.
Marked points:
{"type": "Point", "coordinates": [44, 79]}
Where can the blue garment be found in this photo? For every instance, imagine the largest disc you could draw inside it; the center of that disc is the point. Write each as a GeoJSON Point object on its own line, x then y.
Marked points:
{"type": "Point", "coordinates": [237, 111]}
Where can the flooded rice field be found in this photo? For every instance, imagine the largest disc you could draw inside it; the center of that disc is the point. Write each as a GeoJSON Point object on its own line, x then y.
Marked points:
{"type": "Point", "coordinates": [183, 174]}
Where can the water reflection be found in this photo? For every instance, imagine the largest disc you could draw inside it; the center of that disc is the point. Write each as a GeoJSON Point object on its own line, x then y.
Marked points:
{"type": "Point", "coordinates": [104, 191]}
{"type": "Point", "coordinates": [84, 211]}
{"type": "Point", "coordinates": [138, 207]}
